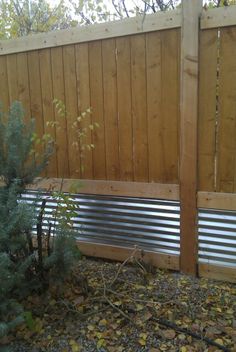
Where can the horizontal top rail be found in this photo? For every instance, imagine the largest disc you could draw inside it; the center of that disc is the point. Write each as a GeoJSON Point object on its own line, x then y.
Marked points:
{"type": "Point", "coordinates": [218, 17]}
{"type": "Point", "coordinates": [128, 26]}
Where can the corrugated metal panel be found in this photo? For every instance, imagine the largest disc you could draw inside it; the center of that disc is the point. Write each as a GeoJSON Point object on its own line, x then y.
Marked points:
{"type": "Point", "coordinates": [151, 224]}
{"type": "Point", "coordinates": [217, 237]}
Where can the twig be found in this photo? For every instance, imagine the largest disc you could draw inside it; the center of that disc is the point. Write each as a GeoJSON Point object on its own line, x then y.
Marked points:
{"type": "Point", "coordinates": [119, 310]}
{"type": "Point", "coordinates": [123, 264]}
{"type": "Point", "coordinates": [171, 325]}
{"type": "Point", "coordinates": [112, 304]}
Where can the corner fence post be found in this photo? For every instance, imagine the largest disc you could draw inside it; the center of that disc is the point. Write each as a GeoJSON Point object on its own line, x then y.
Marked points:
{"type": "Point", "coordinates": [191, 10]}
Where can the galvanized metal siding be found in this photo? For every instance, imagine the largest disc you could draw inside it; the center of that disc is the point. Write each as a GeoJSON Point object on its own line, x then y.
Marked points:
{"type": "Point", "coordinates": [217, 237]}
{"type": "Point", "coordinates": [150, 224]}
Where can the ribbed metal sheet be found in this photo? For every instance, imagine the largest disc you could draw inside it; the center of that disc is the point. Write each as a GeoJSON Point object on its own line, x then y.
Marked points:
{"type": "Point", "coordinates": [217, 237]}
{"type": "Point", "coordinates": [150, 224]}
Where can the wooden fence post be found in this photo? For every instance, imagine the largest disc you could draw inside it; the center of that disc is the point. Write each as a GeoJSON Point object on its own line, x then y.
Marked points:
{"type": "Point", "coordinates": [191, 10]}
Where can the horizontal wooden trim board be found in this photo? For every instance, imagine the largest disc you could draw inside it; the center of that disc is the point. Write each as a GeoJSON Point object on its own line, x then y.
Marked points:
{"type": "Point", "coordinates": [219, 17]}
{"type": "Point", "coordinates": [116, 253]}
{"type": "Point", "coordinates": [217, 272]}
{"type": "Point", "coordinates": [135, 25]}
{"type": "Point", "coordinates": [113, 188]}
{"type": "Point", "coordinates": [216, 200]}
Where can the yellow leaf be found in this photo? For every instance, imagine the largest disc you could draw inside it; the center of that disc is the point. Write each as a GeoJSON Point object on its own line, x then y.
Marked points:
{"type": "Point", "coordinates": [218, 309]}
{"type": "Point", "coordinates": [219, 341]}
{"type": "Point", "coordinates": [142, 342]}
{"type": "Point", "coordinates": [143, 335]}
{"type": "Point", "coordinates": [183, 349]}
{"type": "Point", "coordinates": [91, 327]}
{"type": "Point", "coordinates": [139, 307]}
{"type": "Point", "coordinates": [103, 322]}
{"type": "Point", "coordinates": [101, 343]}
{"type": "Point", "coordinates": [75, 348]}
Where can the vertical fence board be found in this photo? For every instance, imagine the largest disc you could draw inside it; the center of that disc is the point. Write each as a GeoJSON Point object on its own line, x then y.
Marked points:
{"type": "Point", "coordinates": [4, 96]}
{"type": "Point", "coordinates": [47, 104]}
{"type": "Point", "coordinates": [154, 112]}
{"type": "Point", "coordinates": [139, 107]}
{"type": "Point", "coordinates": [170, 104]}
{"type": "Point", "coordinates": [23, 83]}
{"type": "Point", "coordinates": [96, 91]}
{"type": "Point", "coordinates": [36, 97]}
{"type": "Point", "coordinates": [83, 92]}
{"type": "Point", "coordinates": [207, 110]}
{"type": "Point", "coordinates": [227, 116]}
{"type": "Point", "coordinates": [61, 128]}
{"type": "Point", "coordinates": [188, 139]}
{"type": "Point", "coordinates": [110, 109]}
{"type": "Point", "coordinates": [12, 77]}
{"type": "Point", "coordinates": [72, 109]}
{"type": "Point", "coordinates": [124, 108]}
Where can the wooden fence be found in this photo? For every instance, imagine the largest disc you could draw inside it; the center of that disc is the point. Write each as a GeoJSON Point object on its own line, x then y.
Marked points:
{"type": "Point", "coordinates": [163, 90]}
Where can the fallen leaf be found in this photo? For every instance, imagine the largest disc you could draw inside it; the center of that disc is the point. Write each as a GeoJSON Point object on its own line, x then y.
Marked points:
{"type": "Point", "coordinates": [169, 334]}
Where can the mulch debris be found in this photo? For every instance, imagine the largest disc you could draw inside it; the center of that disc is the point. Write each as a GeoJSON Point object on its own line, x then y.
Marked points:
{"type": "Point", "coordinates": [128, 307]}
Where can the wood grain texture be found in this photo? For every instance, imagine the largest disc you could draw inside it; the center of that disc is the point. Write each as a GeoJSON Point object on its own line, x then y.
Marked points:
{"type": "Point", "coordinates": [23, 84]}
{"type": "Point", "coordinates": [116, 188]}
{"type": "Point", "coordinates": [207, 118]}
{"type": "Point", "coordinates": [226, 177]}
{"type": "Point", "coordinates": [154, 104]}
{"type": "Point", "coordinates": [36, 97]}
{"type": "Point", "coordinates": [170, 106]}
{"type": "Point", "coordinates": [47, 104]}
{"type": "Point", "coordinates": [4, 90]}
{"type": "Point", "coordinates": [124, 109]}
{"type": "Point", "coordinates": [188, 137]}
{"type": "Point", "coordinates": [61, 127]}
{"type": "Point", "coordinates": [12, 77]}
{"type": "Point", "coordinates": [83, 94]}
{"type": "Point", "coordinates": [217, 272]}
{"type": "Point", "coordinates": [218, 17]}
{"type": "Point", "coordinates": [96, 96]}
{"type": "Point", "coordinates": [217, 200]}
{"type": "Point", "coordinates": [152, 22]}
{"type": "Point", "coordinates": [139, 108]}
{"type": "Point", "coordinates": [122, 253]}
{"type": "Point", "coordinates": [71, 104]}
{"type": "Point", "coordinates": [110, 109]}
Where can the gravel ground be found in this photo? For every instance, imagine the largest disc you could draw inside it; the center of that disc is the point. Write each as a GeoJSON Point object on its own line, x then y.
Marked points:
{"type": "Point", "coordinates": [75, 320]}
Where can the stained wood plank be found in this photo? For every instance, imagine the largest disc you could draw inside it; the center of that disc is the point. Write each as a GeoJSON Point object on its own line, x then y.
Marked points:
{"type": "Point", "coordinates": [139, 108]}
{"type": "Point", "coordinates": [170, 104]}
{"type": "Point", "coordinates": [36, 96]}
{"type": "Point", "coordinates": [152, 22]}
{"type": "Point", "coordinates": [83, 92]}
{"type": "Point", "coordinates": [12, 77]}
{"type": "Point", "coordinates": [217, 200]}
{"type": "Point", "coordinates": [124, 108]}
{"type": "Point", "coordinates": [96, 96]}
{"type": "Point", "coordinates": [154, 112]}
{"type": "Point", "coordinates": [188, 138]}
{"type": "Point", "coordinates": [4, 95]}
{"type": "Point", "coordinates": [47, 104]}
{"type": "Point", "coordinates": [110, 109]}
{"type": "Point", "coordinates": [72, 109]}
{"type": "Point", "coordinates": [116, 188]}
{"type": "Point", "coordinates": [217, 272]}
{"type": "Point", "coordinates": [61, 129]}
{"type": "Point", "coordinates": [121, 253]}
{"type": "Point", "coordinates": [207, 110]}
{"type": "Point", "coordinates": [226, 180]}
{"type": "Point", "coordinates": [218, 17]}
{"type": "Point", "coordinates": [23, 83]}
